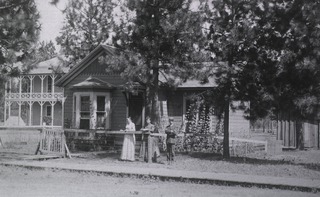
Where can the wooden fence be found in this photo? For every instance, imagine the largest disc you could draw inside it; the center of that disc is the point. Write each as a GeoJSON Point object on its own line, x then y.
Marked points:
{"type": "Point", "coordinates": [52, 141]}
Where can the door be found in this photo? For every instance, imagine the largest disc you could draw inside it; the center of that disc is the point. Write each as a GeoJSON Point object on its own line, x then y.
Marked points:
{"type": "Point", "coordinates": [136, 109]}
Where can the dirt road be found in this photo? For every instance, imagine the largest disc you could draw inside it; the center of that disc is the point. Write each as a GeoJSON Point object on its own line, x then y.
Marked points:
{"type": "Point", "coordinates": [26, 182]}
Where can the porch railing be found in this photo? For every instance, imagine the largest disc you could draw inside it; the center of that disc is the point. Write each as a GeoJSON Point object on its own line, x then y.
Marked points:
{"type": "Point", "coordinates": [34, 96]}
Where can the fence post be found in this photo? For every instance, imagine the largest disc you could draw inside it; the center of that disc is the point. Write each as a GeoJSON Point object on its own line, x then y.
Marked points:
{"type": "Point", "coordinates": [149, 148]}
{"type": "Point", "coordinates": [266, 146]}
{"type": "Point", "coordinates": [246, 148]}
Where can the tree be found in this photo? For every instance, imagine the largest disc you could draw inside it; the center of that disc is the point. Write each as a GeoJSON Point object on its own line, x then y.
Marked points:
{"type": "Point", "coordinates": [268, 50]}
{"type": "Point", "coordinates": [157, 37]}
{"type": "Point", "coordinates": [39, 52]}
{"type": "Point", "coordinates": [231, 39]}
{"type": "Point", "coordinates": [19, 29]}
{"type": "Point", "coordinates": [87, 24]}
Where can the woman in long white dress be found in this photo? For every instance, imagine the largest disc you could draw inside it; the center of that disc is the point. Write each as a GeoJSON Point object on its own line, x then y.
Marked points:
{"type": "Point", "coordinates": [129, 140]}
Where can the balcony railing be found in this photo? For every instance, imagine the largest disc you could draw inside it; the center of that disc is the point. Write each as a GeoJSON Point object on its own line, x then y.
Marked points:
{"type": "Point", "coordinates": [34, 96]}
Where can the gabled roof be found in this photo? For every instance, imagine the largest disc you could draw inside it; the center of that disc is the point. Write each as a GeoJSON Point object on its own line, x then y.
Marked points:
{"type": "Point", "coordinates": [85, 62]}
{"type": "Point", "coordinates": [92, 82]}
{"type": "Point", "coordinates": [165, 78]}
{"type": "Point", "coordinates": [48, 66]}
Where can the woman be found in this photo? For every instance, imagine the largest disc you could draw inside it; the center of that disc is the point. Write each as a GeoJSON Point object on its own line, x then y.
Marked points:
{"type": "Point", "coordinates": [154, 142]}
{"type": "Point", "coordinates": [129, 140]}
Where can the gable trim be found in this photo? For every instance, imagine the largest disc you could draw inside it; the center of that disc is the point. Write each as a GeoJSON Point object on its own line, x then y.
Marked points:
{"type": "Point", "coordinates": [80, 67]}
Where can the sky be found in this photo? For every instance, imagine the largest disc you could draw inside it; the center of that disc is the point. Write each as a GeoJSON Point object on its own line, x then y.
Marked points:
{"type": "Point", "coordinates": [51, 19]}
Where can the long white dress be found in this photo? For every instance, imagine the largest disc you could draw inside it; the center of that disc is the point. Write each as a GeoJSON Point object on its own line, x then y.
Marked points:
{"type": "Point", "coordinates": [128, 147]}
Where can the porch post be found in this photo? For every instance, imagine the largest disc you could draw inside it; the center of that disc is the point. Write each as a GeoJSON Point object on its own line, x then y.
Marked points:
{"type": "Point", "coordinates": [31, 77]}
{"type": "Point", "coordinates": [41, 112]}
{"type": "Point", "coordinates": [53, 77]}
{"type": "Point", "coordinates": [9, 109]}
{"type": "Point", "coordinates": [19, 116]}
{"type": "Point", "coordinates": [52, 111]}
{"type": "Point", "coordinates": [30, 111]}
{"type": "Point", "coordinates": [42, 78]}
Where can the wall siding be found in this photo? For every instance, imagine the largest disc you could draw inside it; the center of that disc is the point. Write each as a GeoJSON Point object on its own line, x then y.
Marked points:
{"type": "Point", "coordinates": [118, 102]}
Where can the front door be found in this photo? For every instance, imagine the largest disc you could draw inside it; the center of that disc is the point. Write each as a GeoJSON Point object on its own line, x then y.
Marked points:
{"type": "Point", "coordinates": [136, 109]}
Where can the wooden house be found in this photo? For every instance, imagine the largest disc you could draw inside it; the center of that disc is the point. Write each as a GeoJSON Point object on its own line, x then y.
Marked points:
{"type": "Point", "coordinates": [32, 100]}
{"type": "Point", "coordinates": [96, 99]}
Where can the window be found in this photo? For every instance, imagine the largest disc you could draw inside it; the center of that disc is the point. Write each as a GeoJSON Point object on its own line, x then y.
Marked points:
{"type": "Point", "coordinates": [49, 110]}
{"type": "Point", "coordinates": [101, 110]}
{"type": "Point", "coordinates": [91, 110]}
{"type": "Point", "coordinates": [84, 112]}
{"type": "Point", "coordinates": [49, 88]}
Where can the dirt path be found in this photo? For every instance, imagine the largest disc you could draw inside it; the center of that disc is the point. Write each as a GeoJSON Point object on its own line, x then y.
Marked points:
{"type": "Point", "coordinates": [24, 182]}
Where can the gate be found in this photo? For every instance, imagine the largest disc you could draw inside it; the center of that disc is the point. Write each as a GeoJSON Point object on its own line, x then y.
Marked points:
{"type": "Point", "coordinates": [53, 141]}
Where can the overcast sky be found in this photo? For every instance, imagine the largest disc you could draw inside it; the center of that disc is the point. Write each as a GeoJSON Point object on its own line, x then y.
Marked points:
{"type": "Point", "coordinates": [51, 19]}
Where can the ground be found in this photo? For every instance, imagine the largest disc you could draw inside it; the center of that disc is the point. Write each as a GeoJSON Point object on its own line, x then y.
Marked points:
{"type": "Point", "coordinates": [298, 164]}
{"type": "Point", "coordinates": [26, 182]}
{"type": "Point", "coordinates": [17, 182]}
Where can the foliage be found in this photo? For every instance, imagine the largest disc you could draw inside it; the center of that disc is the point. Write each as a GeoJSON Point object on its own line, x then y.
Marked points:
{"type": "Point", "coordinates": [199, 115]}
{"type": "Point", "coordinates": [47, 120]}
{"type": "Point", "coordinates": [87, 24]}
{"type": "Point", "coordinates": [157, 38]}
{"type": "Point", "coordinates": [39, 52]}
{"type": "Point", "coordinates": [268, 50]}
{"type": "Point", "coordinates": [19, 29]}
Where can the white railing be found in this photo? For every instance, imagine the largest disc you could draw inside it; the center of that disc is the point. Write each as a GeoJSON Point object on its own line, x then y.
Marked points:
{"type": "Point", "coordinates": [34, 96]}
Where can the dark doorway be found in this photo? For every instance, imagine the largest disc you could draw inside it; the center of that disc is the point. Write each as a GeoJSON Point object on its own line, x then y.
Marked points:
{"type": "Point", "coordinates": [135, 109]}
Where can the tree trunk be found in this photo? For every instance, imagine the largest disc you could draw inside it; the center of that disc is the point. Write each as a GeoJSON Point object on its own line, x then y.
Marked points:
{"type": "Point", "coordinates": [226, 152]}
{"type": "Point", "coordinates": [154, 96]}
{"type": "Point", "coordinates": [148, 100]}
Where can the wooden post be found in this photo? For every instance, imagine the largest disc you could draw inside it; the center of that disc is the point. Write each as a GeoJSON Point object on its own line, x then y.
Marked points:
{"type": "Point", "coordinates": [41, 112]}
{"type": "Point", "coordinates": [149, 148]}
{"type": "Point", "coordinates": [30, 112]}
{"type": "Point", "coordinates": [19, 116]}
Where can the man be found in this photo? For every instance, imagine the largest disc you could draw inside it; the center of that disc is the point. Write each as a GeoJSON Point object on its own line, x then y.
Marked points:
{"type": "Point", "coordinates": [171, 135]}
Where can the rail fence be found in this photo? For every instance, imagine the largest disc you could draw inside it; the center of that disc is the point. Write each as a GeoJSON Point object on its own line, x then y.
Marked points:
{"type": "Point", "coordinates": [98, 140]}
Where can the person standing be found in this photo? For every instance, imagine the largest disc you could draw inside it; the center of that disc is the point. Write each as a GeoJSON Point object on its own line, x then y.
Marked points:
{"type": "Point", "coordinates": [129, 140]}
{"type": "Point", "coordinates": [154, 141]}
{"type": "Point", "coordinates": [171, 135]}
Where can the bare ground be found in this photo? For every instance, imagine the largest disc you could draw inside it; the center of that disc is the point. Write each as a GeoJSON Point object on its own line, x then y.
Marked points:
{"type": "Point", "coordinates": [300, 164]}
{"type": "Point", "coordinates": [17, 182]}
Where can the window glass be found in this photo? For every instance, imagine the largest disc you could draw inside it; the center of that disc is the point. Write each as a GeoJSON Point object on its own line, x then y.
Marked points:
{"type": "Point", "coordinates": [49, 108]}
{"type": "Point", "coordinates": [49, 84]}
{"type": "Point", "coordinates": [101, 103]}
{"type": "Point", "coordinates": [85, 104]}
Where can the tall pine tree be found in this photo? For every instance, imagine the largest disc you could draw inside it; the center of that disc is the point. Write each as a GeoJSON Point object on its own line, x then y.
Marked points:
{"type": "Point", "coordinates": [158, 37]}
{"type": "Point", "coordinates": [86, 25]}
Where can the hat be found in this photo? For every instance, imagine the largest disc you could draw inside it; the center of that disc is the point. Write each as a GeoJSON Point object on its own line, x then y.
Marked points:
{"type": "Point", "coordinates": [171, 118]}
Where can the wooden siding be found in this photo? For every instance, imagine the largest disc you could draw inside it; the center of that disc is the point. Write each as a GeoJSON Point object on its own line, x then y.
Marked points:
{"type": "Point", "coordinates": [238, 125]}
{"type": "Point", "coordinates": [118, 102]}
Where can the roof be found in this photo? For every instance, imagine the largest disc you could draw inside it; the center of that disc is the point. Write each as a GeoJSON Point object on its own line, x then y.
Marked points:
{"type": "Point", "coordinates": [92, 82]}
{"type": "Point", "coordinates": [48, 66]}
{"type": "Point", "coordinates": [163, 78]}
{"type": "Point", "coordinates": [194, 82]}
{"type": "Point", "coordinates": [84, 63]}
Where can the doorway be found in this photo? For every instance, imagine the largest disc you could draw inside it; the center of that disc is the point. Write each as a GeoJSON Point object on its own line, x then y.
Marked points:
{"type": "Point", "coordinates": [136, 102]}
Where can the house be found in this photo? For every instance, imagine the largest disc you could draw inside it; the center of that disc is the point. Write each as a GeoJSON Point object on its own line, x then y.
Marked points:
{"type": "Point", "coordinates": [292, 132]}
{"type": "Point", "coordinates": [32, 100]}
{"type": "Point", "coordinates": [96, 99]}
